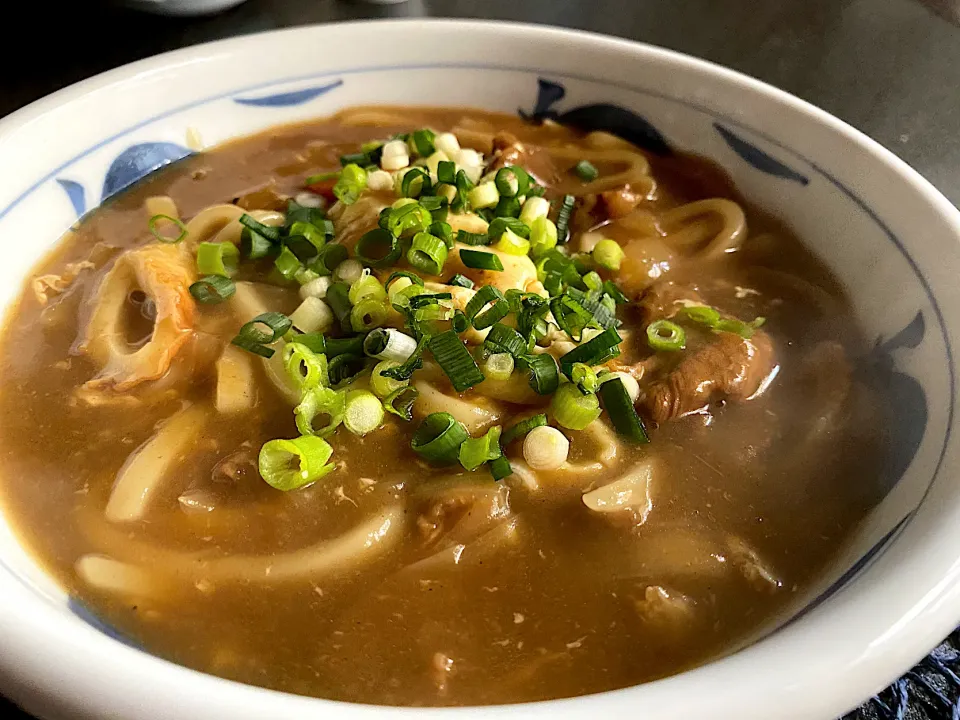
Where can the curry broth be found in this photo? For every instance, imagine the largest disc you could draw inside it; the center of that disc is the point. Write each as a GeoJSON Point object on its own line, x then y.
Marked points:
{"type": "Point", "coordinates": [563, 608]}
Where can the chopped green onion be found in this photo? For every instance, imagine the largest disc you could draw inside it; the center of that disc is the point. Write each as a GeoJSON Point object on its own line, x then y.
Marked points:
{"type": "Point", "coordinates": [459, 280]}
{"type": "Point", "coordinates": [349, 271]}
{"type": "Point", "coordinates": [413, 362]}
{"type": "Point", "coordinates": [323, 402]}
{"type": "Point", "coordinates": [378, 248]}
{"type": "Point", "coordinates": [518, 430]}
{"type": "Point", "coordinates": [505, 339]}
{"type": "Point", "coordinates": [389, 344]}
{"type": "Point", "coordinates": [474, 452]}
{"type": "Point", "coordinates": [602, 314]}
{"type": "Point", "coordinates": [469, 238]}
{"type": "Point", "coordinates": [366, 286]}
{"type": "Point", "coordinates": [443, 231]}
{"type": "Point", "coordinates": [409, 189]}
{"type": "Point", "coordinates": [344, 368]}
{"type": "Point", "coordinates": [584, 378]}
{"type": "Point", "coordinates": [268, 231]}
{"type": "Point", "coordinates": [455, 360]}
{"type": "Point", "coordinates": [501, 225]}
{"type": "Point", "coordinates": [438, 439]}
{"type": "Point", "coordinates": [604, 346]}
{"type": "Point", "coordinates": [212, 289]}
{"type": "Point", "coordinates": [368, 314]}
{"type": "Point", "coordinates": [305, 367]}
{"type": "Point", "coordinates": [312, 315]}
{"type": "Point", "coordinates": [507, 208]}
{"type": "Point", "coordinates": [447, 172]}
{"type": "Point", "coordinates": [287, 263]}
{"type": "Point", "coordinates": [570, 315]}
{"type": "Point", "coordinates": [333, 347]}
{"type": "Point", "coordinates": [487, 295]}
{"type": "Point", "coordinates": [306, 240]}
{"type": "Point", "coordinates": [543, 236]}
{"type": "Point", "coordinates": [422, 141]}
{"type": "Point", "coordinates": [464, 186]}
{"type": "Point", "coordinates": [512, 244]}
{"type": "Point", "coordinates": [459, 321]}
{"type": "Point", "coordinates": [666, 335]}
{"type": "Point", "coordinates": [153, 223]}
{"type": "Point", "coordinates": [397, 274]}
{"type": "Point", "coordinates": [338, 298]}
{"type": "Point", "coordinates": [217, 259]}
{"type": "Point", "coordinates": [352, 182]}
{"type": "Point", "coordinates": [592, 280]}
{"type": "Point", "coordinates": [480, 260]}
{"type": "Point", "coordinates": [292, 464]}
{"type": "Point", "coordinates": [544, 376]}
{"type": "Point", "coordinates": [572, 409]}
{"type": "Point", "coordinates": [409, 219]}
{"type": "Point", "coordinates": [533, 209]}
{"type": "Point", "coordinates": [254, 246]}
{"type": "Point", "coordinates": [614, 292]}
{"type": "Point", "coordinates": [500, 468]}
{"type": "Point", "coordinates": [305, 277]}
{"type": "Point", "coordinates": [427, 253]}
{"type": "Point", "coordinates": [739, 327]}
{"type": "Point", "coordinates": [329, 259]}
{"type": "Point", "coordinates": [297, 213]}
{"type": "Point", "coordinates": [381, 384]}
{"type": "Point", "coordinates": [253, 339]}
{"type": "Point", "coordinates": [507, 182]}
{"type": "Point", "coordinates": [586, 171]}
{"type": "Point", "coordinates": [360, 158]}
{"type": "Point", "coordinates": [483, 196]}
{"type": "Point", "coordinates": [563, 217]}
{"type": "Point", "coordinates": [400, 402]}
{"type": "Point", "coordinates": [608, 254]}
{"type": "Point", "coordinates": [623, 415]}
{"type": "Point", "coordinates": [324, 177]}
{"type": "Point", "coordinates": [363, 412]}
{"type": "Point", "coordinates": [499, 366]}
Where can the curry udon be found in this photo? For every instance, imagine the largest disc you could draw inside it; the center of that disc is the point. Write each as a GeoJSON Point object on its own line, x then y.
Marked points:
{"type": "Point", "coordinates": [435, 407]}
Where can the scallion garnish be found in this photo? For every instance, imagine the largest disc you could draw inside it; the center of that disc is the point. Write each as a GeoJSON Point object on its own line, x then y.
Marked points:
{"type": "Point", "coordinates": [397, 274]}
{"type": "Point", "coordinates": [352, 182]}
{"type": "Point", "coordinates": [423, 142]}
{"type": "Point", "coordinates": [563, 218]}
{"type": "Point", "coordinates": [221, 258]}
{"type": "Point", "coordinates": [512, 181]}
{"type": "Point", "coordinates": [613, 291]}
{"type": "Point", "coordinates": [520, 429]}
{"type": "Point", "coordinates": [415, 361]}
{"type": "Point", "coordinates": [474, 452]}
{"type": "Point", "coordinates": [666, 335]}
{"type": "Point", "coordinates": [572, 409]}
{"type": "Point", "coordinates": [502, 338]}
{"type": "Point", "coordinates": [212, 289]}
{"type": "Point", "coordinates": [455, 360]}
{"type": "Point", "coordinates": [287, 263]}
{"type": "Point", "coordinates": [363, 412]}
{"type": "Point", "coordinates": [447, 172]}
{"type": "Point", "coordinates": [469, 238]}
{"type": "Point", "coordinates": [410, 187]}
{"type": "Point", "coordinates": [570, 315]}
{"type": "Point", "coordinates": [254, 246]}
{"type": "Point", "coordinates": [480, 260]}
{"type": "Point", "coordinates": [310, 454]}
{"type": "Point", "coordinates": [320, 402]}
{"type": "Point", "coordinates": [500, 468]}
{"type": "Point", "coordinates": [368, 314]}
{"type": "Point", "coordinates": [438, 439]}
{"type": "Point", "coordinates": [487, 295]}
{"type": "Point", "coordinates": [153, 225]}
{"type": "Point", "coordinates": [544, 376]}
{"type": "Point", "coordinates": [328, 259]}
{"type": "Point", "coordinates": [359, 158]}
{"type": "Point", "coordinates": [459, 280]}
{"type": "Point", "coordinates": [427, 253]}
{"type": "Point", "coordinates": [604, 346]}
{"type": "Point", "coordinates": [623, 415]}
{"type": "Point", "coordinates": [378, 248]}
{"type": "Point", "coordinates": [502, 224]}
{"type": "Point", "coordinates": [443, 231]}
{"type": "Point", "coordinates": [344, 368]}
{"type": "Point", "coordinates": [338, 298]}
{"type": "Point", "coordinates": [507, 208]}
{"type": "Point", "coordinates": [268, 231]}
{"type": "Point", "coordinates": [586, 171]}
{"type": "Point", "coordinates": [608, 254]}
{"type": "Point", "coordinates": [389, 344]}
{"type": "Point", "coordinates": [400, 402]}
{"type": "Point", "coordinates": [307, 368]}
{"type": "Point", "coordinates": [254, 339]}
{"type": "Point", "coordinates": [584, 378]}
{"type": "Point", "coordinates": [499, 366]}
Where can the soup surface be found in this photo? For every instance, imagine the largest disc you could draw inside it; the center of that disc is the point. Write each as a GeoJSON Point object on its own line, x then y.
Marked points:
{"type": "Point", "coordinates": [623, 460]}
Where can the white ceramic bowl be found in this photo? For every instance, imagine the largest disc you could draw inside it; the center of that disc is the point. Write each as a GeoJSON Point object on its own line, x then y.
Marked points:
{"type": "Point", "coordinates": [889, 236]}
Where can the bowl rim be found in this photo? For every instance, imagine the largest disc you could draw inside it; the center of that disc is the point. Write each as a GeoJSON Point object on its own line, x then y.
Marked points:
{"type": "Point", "coordinates": [54, 641]}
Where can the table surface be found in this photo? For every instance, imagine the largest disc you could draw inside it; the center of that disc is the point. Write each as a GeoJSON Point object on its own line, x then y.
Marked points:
{"type": "Point", "coordinates": [889, 67]}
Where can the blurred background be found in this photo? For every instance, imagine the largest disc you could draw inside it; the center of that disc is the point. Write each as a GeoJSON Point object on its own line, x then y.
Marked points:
{"type": "Point", "coordinates": [891, 68]}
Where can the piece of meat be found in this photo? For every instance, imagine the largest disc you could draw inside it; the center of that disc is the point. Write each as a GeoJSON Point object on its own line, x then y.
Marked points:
{"type": "Point", "coordinates": [620, 202]}
{"type": "Point", "coordinates": [730, 367]}
{"type": "Point", "coordinates": [508, 150]}
{"type": "Point", "coordinates": [665, 299]}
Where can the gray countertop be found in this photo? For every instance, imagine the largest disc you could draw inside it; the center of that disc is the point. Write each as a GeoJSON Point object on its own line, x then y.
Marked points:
{"type": "Point", "coordinates": [889, 67]}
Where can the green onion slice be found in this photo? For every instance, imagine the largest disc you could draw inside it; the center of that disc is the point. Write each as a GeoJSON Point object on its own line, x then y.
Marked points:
{"type": "Point", "coordinates": [455, 360]}
{"type": "Point", "coordinates": [254, 339]}
{"type": "Point", "coordinates": [584, 378]}
{"type": "Point", "coordinates": [447, 172]}
{"type": "Point", "coordinates": [415, 361]}
{"type": "Point", "coordinates": [623, 415]}
{"type": "Point", "coordinates": [378, 248]}
{"type": "Point", "coordinates": [474, 452]}
{"type": "Point", "coordinates": [500, 468]}
{"type": "Point", "coordinates": [254, 246]}
{"type": "Point", "coordinates": [507, 208]}
{"type": "Point", "coordinates": [572, 409]}
{"type": "Point", "coordinates": [396, 275]}
{"type": "Point", "coordinates": [307, 369]}
{"type": "Point", "coordinates": [389, 344]}
{"type": "Point", "coordinates": [511, 181]}
{"type": "Point", "coordinates": [503, 338]}
{"type": "Point", "coordinates": [368, 314]}
{"type": "Point", "coordinates": [423, 142]}
{"type": "Point", "coordinates": [469, 238]}
{"type": "Point", "coordinates": [155, 221]}
{"type": "Point", "coordinates": [352, 182]}
{"type": "Point", "coordinates": [586, 171]}
{"type": "Point", "coordinates": [338, 298]}
{"type": "Point", "coordinates": [212, 289]}
{"type": "Point", "coordinates": [400, 402]}
{"type": "Point", "coordinates": [501, 224]}
{"type": "Point", "coordinates": [570, 315]}
{"type": "Point", "coordinates": [221, 258]}
{"type": "Point", "coordinates": [480, 260]}
{"type": "Point", "coordinates": [287, 263]}
{"type": "Point", "coordinates": [544, 376]}
{"type": "Point", "coordinates": [459, 280]}
{"type": "Point", "coordinates": [320, 402]}
{"type": "Point", "coordinates": [520, 429]}
{"type": "Point", "coordinates": [329, 257]}
{"type": "Point", "coordinates": [407, 187]}
{"type": "Point", "coordinates": [292, 464]}
{"type": "Point", "coordinates": [604, 346]}
{"type": "Point", "coordinates": [269, 232]}
{"type": "Point", "coordinates": [610, 288]}
{"type": "Point", "coordinates": [499, 366]}
{"type": "Point", "coordinates": [438, 438]}
{"type": "Point", "coordinates": [563, 217]}
{"type": "Point", "coordinates": [345, 367]}
{"type": "Point", "coordinates": [487, 295]}
{"type": "Point", "coordinates": [666, 335]}
{"type": "Point", "coordinates": [427, 253]}
{"type": "Point", "coordinates": [363, 412]}
{"type": "Point", "coordinates": [443, 231]}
